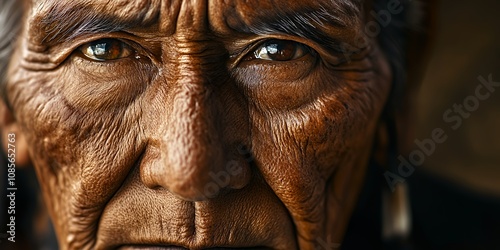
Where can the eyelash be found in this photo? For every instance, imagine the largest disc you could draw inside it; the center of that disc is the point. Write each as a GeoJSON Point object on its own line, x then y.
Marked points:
{"type": "Point", "coordinates": [267, 50]}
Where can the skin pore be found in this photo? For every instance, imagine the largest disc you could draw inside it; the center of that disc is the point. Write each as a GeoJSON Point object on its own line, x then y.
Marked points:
{"type": "Point", "coordinates": [130, 108]}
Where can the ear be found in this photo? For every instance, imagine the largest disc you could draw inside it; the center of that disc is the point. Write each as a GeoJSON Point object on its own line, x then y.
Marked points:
{"type": "Point", "coordinates": [11, 134]}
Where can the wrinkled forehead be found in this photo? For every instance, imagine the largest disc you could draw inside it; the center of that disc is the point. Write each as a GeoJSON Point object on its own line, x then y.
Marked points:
{"type": "Point", "coordinates": [219, 15]}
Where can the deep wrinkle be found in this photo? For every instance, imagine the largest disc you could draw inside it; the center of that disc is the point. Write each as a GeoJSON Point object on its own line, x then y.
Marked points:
{"type": "Point", "coordinates": [309, 125]}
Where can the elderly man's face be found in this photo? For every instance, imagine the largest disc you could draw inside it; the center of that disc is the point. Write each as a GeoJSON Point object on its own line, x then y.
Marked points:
{"type": "Point", "coordinates": [197, 124]}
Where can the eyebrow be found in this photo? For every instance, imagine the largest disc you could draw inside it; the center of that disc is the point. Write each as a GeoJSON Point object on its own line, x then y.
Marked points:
{"type": "Point", "coordinates": [64, 22]}
{"type": "Point", "coordinates": [305, 24]}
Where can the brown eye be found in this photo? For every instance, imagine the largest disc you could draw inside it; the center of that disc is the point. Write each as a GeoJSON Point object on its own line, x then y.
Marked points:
{"type": "Point", "coordinates": [280, 50]}
{"type": "Point", "coordinates": [105, 50]}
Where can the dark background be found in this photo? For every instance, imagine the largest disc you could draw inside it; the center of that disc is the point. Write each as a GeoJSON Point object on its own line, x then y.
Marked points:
{"type": "Point", "coordinates": [459, 208]}
{"type": "Point", "coordinates": [467, 45]}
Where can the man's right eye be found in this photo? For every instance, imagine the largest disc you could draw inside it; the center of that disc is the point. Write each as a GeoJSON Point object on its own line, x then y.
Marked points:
{"type": "Point", "coordinates": [106, 50]}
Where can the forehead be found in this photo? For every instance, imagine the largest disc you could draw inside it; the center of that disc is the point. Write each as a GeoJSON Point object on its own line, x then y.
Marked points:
{"type": "Point", "coordinates": [168, 13]}
{"type": "Point", "coordinates": [121, 7]}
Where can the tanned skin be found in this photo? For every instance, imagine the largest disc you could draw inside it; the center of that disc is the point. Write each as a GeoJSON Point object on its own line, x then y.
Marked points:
{"type": "Point", "coordinates": [130, 111]}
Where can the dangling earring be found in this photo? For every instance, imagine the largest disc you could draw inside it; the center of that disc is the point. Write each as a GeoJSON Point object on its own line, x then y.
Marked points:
{"type": "Point", "coordinates": [396, 213]}
{"type": "Point", "coordinates": [396, 209]}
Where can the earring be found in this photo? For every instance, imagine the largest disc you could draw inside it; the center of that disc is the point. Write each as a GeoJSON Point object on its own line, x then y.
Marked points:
{"type": "Point", "coordinates": [396, 213]}
{"type": "Point", "coordinates": [396, 209]}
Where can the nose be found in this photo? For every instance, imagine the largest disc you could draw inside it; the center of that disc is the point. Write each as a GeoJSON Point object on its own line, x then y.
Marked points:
{"type": "Point", "coordinates": [199, 144]}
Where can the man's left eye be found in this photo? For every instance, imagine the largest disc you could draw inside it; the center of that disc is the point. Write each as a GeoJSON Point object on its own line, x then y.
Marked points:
{"type": "Point", "coordinates": [106, 50]}
{"type": "Point", "coordinates": [279, 50]}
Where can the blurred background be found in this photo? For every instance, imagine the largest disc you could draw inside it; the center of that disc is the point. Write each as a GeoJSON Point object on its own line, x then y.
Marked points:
{"type": "Point", "coordinates": [456, 205]}
{"type": "Point", "coordinates": [467, 46]}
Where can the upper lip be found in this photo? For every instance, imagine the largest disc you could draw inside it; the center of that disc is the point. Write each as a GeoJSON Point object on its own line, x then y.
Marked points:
{"type": "Point", "coordinates": [177, 246]}
{"type": "Point", "coordinates": [168, 243]}
{"type": "Point", "coordinates": [170, 247]}
{"type": "Point", "coordinates": [166, 222]}
{"type": "Point", "coordinates": [247, 241]}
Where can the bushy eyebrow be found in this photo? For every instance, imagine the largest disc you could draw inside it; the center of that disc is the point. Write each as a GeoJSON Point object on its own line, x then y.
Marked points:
{"type": "Point", "coordinates": [64, 22]}
{"type": "Point", "coordinates": [307, 23]}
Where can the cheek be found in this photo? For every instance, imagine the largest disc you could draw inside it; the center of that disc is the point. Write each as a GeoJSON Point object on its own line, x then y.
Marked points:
{"type": "Point", "coordinates": [81, 157]}
{"type": "Point", "coordinates": [300, 152]}
{"type": "Point", "coordinates": [341, 118]}
{"type": "Point", "coordinates": [309, 144]}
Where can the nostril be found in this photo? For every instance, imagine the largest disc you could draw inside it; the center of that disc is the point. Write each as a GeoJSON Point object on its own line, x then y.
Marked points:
{"type": "Point", "coordinates": [198, 186]}
{"type": "Point", "coordinates": [192, 179]}
{"type": "Point", "coordinates": [191, 193]}
{"type": "Point", "coordinates": [147, 168]}
{"type": "Point", "coordinates": [212, 184]}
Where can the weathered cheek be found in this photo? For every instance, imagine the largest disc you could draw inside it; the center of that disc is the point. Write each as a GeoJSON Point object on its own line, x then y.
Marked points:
{"type": "Point", "coordinates": [300, 151]}
{"type": "Point", "coordinates": [313, 140]}
{"type": "Point", "coordinates": [288, 148]}
{"type": "Point", "coordinates": [284, 155]}
{"type": "Point", "coordinates": [80, 157]}
{"type": "Point", "coordinates": [40, 113]}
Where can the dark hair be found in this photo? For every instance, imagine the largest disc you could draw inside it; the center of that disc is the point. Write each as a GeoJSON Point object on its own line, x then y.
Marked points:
{"type": "Point", "coordinates": [10, 22]}
{"type": "Point", "coordinates": [396, 41]}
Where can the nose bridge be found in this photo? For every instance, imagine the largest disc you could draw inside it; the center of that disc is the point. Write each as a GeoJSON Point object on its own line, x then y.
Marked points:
{"type": "Point", "coordinates": [194, 163]}
{"type": "Point", "coordinates": [197, 134]}
{"type": "Point", "coordinates": [192, 146]}
{"type": "Point", "coordinates": [192, 19]}
{"type": "Point", "coordinates": [192, 124]}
